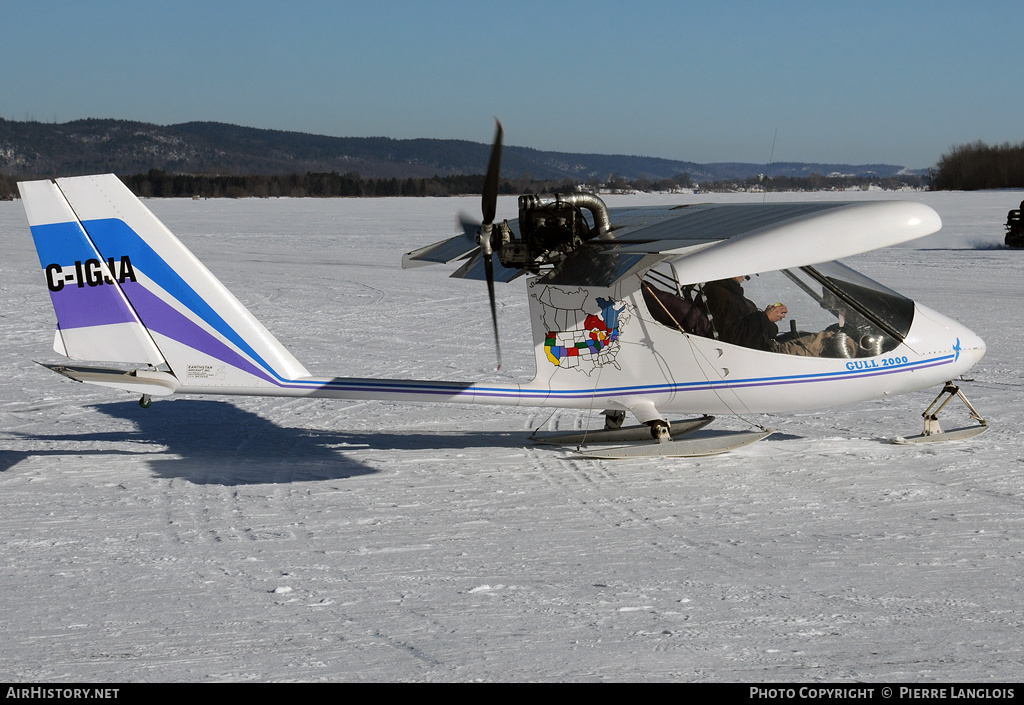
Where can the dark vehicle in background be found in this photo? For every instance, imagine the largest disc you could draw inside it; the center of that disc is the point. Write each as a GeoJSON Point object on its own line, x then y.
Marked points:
{"type": "Point", "coordinates": [1015, 228]}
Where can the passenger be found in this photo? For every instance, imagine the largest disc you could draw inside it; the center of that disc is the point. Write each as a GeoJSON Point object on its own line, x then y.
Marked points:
{"type": "Point", "coordinates": [739, 321]}
{"type": "Point", "coordinates": [675, 312]}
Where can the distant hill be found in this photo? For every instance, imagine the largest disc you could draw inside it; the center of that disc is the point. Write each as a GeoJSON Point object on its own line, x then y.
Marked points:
{"type": "Point", "coordinates": [124, 147]}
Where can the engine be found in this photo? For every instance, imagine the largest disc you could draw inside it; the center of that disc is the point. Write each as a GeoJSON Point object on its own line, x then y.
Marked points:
{"type": "Point", "coordinates": [550, 228]}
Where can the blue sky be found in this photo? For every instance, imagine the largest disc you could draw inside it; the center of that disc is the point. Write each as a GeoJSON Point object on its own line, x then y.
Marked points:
{"type": "Point", "coordinates": [855, 82]}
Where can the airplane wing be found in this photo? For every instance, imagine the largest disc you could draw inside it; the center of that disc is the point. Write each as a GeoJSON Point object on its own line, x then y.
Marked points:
{"type": "Point", "coordinates": [765, 237]}
{"type": "Point", "coordinates": [705, 242]}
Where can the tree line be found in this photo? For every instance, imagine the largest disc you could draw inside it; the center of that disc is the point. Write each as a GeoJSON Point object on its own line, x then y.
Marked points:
{"type": "Point", "coordinates": [971, 167]}
{"type": "Point", "coordinates": [819, 182]}
{"type": "Point", "coordinates": [158, 184]}
{"type": "Point", "coordinates": [161, 184]}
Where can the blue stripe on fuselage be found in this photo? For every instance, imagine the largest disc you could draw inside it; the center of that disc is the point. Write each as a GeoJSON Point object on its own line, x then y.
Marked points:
{"type": "Point", "coordinates": [454, 388]}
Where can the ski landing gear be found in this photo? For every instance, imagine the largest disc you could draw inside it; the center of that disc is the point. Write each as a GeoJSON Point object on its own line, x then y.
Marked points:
{"type": "Point", "coordinates": [933, 432]}
{"type": "Point", "coordinates": [656, 438]}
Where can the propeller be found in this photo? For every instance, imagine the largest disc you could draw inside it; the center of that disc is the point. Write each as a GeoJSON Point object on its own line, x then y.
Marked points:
{"type": "Point", "coordinates": [489, 206]}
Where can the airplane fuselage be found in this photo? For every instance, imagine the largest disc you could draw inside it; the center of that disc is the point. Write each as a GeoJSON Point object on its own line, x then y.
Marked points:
{"type": "Point", "coordinates": [640, 362]}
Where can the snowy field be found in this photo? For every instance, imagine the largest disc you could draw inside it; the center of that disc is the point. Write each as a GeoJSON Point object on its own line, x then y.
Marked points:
{"type": "Point", "coordinates": [216, 539]}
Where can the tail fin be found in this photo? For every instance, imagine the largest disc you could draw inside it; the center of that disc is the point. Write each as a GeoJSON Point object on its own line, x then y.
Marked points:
{"type": "Point", "coordinates": [126, 290]}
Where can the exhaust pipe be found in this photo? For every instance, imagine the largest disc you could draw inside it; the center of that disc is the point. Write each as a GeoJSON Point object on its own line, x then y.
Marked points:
{"type": "Point", "coordinates": [597, 208]}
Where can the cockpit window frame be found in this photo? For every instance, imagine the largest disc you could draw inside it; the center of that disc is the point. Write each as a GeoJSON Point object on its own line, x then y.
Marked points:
{"type": "Point", "coordinates": [828, 284]}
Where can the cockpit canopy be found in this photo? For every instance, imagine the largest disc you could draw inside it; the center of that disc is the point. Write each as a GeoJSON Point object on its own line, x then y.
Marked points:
{"type": "Point", "coordinates": [863, 317]}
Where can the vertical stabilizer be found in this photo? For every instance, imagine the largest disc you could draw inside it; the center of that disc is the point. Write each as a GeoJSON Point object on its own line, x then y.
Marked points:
{"type": "Point", "coordinates": [94, 319]}
{"type": "Point", "coordinates": [206, 336]}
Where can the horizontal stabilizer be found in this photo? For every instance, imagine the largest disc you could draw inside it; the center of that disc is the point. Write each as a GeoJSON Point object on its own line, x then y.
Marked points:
{"type": "Point", "coordinates": [151, 382]}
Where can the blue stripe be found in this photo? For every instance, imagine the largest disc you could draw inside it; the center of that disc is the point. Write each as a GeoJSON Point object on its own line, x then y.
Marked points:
{"type": "Point", "coordinates": [455, 389]}
{"type": "Point", "coordinates": [61, 243]}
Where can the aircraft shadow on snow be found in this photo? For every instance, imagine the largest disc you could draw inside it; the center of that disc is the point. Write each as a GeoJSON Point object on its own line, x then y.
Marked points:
{"type": "Point", "coordinates": [218, 443]}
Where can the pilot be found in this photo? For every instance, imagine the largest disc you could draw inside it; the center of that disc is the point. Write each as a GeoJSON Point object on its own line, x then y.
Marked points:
{"type": "Point", "coordinates": [738, 320]}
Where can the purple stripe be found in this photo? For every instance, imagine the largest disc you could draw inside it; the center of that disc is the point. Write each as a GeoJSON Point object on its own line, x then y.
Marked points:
{"type": "Point", "coordinates": [89, 306]}
{"type": "Point", "coordinates": [161, 318]}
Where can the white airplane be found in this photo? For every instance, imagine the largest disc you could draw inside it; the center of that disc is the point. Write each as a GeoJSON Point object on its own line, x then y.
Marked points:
{"type": "Point", "coordinates": [620, 306]}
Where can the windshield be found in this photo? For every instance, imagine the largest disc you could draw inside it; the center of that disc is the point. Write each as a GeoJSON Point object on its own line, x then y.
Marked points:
{"type": "Point", "coordinates": [867, 303]}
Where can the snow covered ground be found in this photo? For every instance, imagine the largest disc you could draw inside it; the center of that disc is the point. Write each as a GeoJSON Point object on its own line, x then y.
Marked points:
{"type": "Point", "coordinates": [271, 539]}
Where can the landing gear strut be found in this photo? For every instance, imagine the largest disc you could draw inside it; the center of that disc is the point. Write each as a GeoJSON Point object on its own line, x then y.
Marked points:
{"type": "Point", "coordinates": [933, 432]}
{"type": "Point", "coordinates": [931, 418]}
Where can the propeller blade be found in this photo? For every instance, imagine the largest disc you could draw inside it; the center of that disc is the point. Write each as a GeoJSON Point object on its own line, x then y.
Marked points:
{"type": "Point", "coordinates": [489, 207]}
{"type": "Point", "coordinates": [489, 270]}
{"type": "Point", "coordinates": [490, 196]}
{"type": "Point", "coordinates": [484, 231]}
